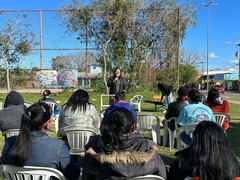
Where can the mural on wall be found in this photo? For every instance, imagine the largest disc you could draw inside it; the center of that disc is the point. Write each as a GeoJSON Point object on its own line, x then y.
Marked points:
{"type": "Point", "coordinates": [46, 78]}
{"type": "Point", "coordinates": [67, 78]}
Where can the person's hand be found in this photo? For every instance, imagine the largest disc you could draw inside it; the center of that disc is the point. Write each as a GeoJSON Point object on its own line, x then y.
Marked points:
{"type": "Point", "coordinates": [116, 78]}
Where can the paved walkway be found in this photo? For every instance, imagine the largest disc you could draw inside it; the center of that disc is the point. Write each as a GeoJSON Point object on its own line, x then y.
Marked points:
{"type": "Point", "coordinates": [234, 102]}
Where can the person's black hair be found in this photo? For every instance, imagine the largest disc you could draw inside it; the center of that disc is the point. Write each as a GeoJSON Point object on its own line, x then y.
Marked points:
{"type": "Point", "coordinates": [183, 91]}
{"type": "Point", "coordinates": [33, 120]}
{"type": "Point", "coordinates": [46, 93]}
{"type": "Point", "coordinates": [120, 96]}
{"type": "Point", "coordinates": [212, 95]}
{"type": "Point", "coordinates": [115, 69]}
{"type": "Point", "coordinates": [79, 99]}
{"type": "Point", "coordinates": [194, 95]}
{"type": "Point", "coordinates": [119, 125]}
{"type": "Point", "coordinates": [209, 156]}
{"type": "Point", "coordinates": [194, 86]}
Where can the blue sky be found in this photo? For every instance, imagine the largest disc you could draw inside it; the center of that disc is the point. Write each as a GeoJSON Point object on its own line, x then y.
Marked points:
{"type": "Point", "coordinates": [224, 33]}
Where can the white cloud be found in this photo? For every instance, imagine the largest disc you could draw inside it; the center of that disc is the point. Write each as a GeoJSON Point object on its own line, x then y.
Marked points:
{"type": "Point", "coordinates": [235, 61]}
{"type": "Point", "coordinates": [212, 55]}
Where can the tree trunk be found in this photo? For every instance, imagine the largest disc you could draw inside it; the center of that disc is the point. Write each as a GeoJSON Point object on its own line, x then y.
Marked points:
{"type": "Point", "coordinates": [8, 81]}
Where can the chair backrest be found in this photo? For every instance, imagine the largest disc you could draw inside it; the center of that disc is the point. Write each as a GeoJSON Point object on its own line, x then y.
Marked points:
{"type": "Point", "coordinates": [188, 127]}
{"type": "Point", "coordinates": [77, 139]}
{"type": "Point", "coordinates": [145, 121]}
{"type": "Point", "coordinates": [136, 99]}
{"type": "Point", "coordinates": [51, 104]}
{"type": "Point", "coordinates": [27, 103]}
{"type": "Point", "coordinates": [105, 100]}
{"type": "Point", "coordinates": [102, 113]}
{"type": "Point", "coordinates": [29, 173]}
{"type": "Point", "coordinates": [220, 117]}
{"type": "Point", "coordinates": [147, 177]}
{"type": "Point", "coordinates": [11, 132]}
{"type": "Point", "coordinates": [1, 104]}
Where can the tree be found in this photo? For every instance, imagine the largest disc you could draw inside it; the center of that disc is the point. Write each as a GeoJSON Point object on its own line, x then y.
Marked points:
{"type": "Point", "coordinates": [188, 69]}
{"type": "Point", "coordinates": [72, 61]}
{"type": "Point", "coordinates": [15, 40]}
{"type": "Point", "coordinates": [128, 32]}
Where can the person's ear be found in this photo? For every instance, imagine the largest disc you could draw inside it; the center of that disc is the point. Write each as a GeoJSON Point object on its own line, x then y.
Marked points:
{"type": "Point", "coordinates": [133, 127]}
{"type": "Point", "coordinates": [47, 126]}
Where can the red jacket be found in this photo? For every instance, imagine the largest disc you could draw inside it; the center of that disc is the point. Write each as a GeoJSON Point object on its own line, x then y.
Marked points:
{"type": "Point", "coordinates": [224, 108]}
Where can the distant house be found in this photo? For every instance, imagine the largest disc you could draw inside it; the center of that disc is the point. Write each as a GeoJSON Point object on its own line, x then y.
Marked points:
{"type": "Point", "coordinates": [226, 78]}
{"type": "Point", "coordinates": [94, 72]}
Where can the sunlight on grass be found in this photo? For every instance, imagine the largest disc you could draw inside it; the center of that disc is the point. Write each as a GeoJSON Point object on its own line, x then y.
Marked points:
{"type": "Point", "coordinates": [233, 132]}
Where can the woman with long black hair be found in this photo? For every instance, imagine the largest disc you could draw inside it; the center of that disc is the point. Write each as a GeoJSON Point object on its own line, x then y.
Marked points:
{"type": "Point", "coordinates": [33, 146]}
{"type": "Point", "coordinates": [79, 113]}
{"type": "Point", "coordinates": [209, 157]}
{"type": "Point", "coordinates": [120, 153]}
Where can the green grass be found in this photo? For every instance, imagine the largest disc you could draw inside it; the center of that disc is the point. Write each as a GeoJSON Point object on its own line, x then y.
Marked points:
{"type": "Point", "coordinates": [167, 155]}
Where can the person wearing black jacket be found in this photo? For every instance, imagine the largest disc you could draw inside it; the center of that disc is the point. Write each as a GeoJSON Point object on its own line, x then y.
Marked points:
{"type": "Point", "coordinates": [121, 153]}
{"type": "Point", "coordinates": [116, 83]}
{"type": "Point", "coordinates": [167, 92]}
{"type": "Point", "coordinates": [174, 108]}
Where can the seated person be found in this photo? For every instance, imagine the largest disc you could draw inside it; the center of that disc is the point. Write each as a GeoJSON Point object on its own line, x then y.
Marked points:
{"type": "Point", "coordinates": [209, 156]}
{"type": "Point", "coordinates": [217, 104]}
{"type": "Point", "coordinates": [33, 146]}
{"type": "Point", "coordinates": [194, 113]}
{"type": "Point", "coordinates": [194, 86]}
{"type": "Point", "coordinates": [120, 101]}
{"type": "Point", "coordinates": [10, 115]}
{"type": "Point", "coordinates": [174, 108]}
{"type": "Point", "coordinates": [46, 98]}
{"type": "Point", "coordinates": [120, 153]}
{"type": "Point", "coordinates": [79, 113]}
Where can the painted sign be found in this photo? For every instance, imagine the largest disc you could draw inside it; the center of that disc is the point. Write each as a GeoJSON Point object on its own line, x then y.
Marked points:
{"type": "Point", "coordinates": [67, 78]}
{"type": "Point", "coordinates": [47, 78]}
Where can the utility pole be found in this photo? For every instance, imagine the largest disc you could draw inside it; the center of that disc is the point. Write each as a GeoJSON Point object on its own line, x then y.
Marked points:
{"type": "Point", "coordinates": [202, 79]}
{"type": "Point", "coordinates": [41, 48]}
{"type": "Point", "coordinates": [208, 5]}
{"type": "Point", "coordinates": [238, 55]}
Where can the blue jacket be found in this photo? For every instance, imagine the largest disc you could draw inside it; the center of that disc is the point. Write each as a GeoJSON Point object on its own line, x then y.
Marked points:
{"type": "Point", "coordinates": [46, 152]}
{"type": "Point", "coordinates": [56, 108]}
{"type": "Point", "coordinates": [116, 105]}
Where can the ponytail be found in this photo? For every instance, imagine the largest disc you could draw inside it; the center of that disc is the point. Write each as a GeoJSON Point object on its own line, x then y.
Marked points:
{"type": "Point", "coordinates": [22, 147]}
{"type": "Point", "coordinates": [33, 120]}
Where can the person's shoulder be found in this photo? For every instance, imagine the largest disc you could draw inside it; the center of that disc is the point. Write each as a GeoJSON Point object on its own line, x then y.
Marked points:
{"type": "Point", "coordinates": [225, 101]}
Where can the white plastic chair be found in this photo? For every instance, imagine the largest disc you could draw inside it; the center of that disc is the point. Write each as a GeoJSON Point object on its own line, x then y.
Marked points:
{"type": "Point", "coordinates": [77, 139]}
{"type": "Point", "coordinates": [27, 103]}
{"type": "Point", "coordinates": [137, 101]}
{"type": "Point", "coordinates": [102, 113]}
{"type": "Point", "coordinates": [29, 173]}
{"type": "Point", "coordinates": [144, 123]}
{"type": "Point", "coordinates": [11, 132]}
{"type": "Point", "coordinates": [1, 104]}
{"type": "Point", "coordinates": [52, 105]}
{"type": "Point", "coordinates": [220, 117]}
{"type": "Point", "coordinates": [168, 133]}
{"type": "Point", "coordinates": [190, 127]}
{"type": "Point", "coordinates": [105, 100]}
{"type": "Point", "coordinates": [147, 177]}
